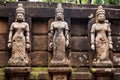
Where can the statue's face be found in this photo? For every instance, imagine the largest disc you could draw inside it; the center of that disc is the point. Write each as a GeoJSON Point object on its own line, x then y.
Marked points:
{"type": "Point", "coordinates": [59, 16]}
{"type": "Point", "coordinates": [20, 17]}
{"type": "Point", "coordinates": [101, 17]}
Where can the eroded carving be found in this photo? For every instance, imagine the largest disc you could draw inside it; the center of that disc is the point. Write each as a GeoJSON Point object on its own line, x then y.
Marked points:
{"type": "Point", "coordinates": [59, 38]}
{"type": "Point", "coordinates": [101, 39]}
{"type": "Point", "coordinates": [60, 77]}
{"type": "Point", "coordinates": [19, 39]}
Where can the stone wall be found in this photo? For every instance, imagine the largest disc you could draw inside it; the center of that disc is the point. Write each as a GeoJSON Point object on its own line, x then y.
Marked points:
{"type": "Point", "coordinates": [38, 16]}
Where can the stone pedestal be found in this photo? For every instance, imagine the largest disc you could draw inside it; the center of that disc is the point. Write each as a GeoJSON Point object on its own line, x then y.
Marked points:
{"type": "Point", "coordinates": [64, 63]}
{"type": "Point", "coordinates": [103, 73]}
{"type": "Point", "coordinates": [59, 73]}
{"type": "Point", "coordinates": [103, 64]}
{"type": "Point", "coordinates": [17, 73]}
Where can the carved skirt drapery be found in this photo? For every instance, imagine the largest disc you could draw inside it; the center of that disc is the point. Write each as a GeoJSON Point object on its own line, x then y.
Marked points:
{"type": "Point", "coordinates": [19, 55]}
{"type": "Point", "coordinates": [102, 47]}
{"type": "Point", "coordinates": [59, 48]}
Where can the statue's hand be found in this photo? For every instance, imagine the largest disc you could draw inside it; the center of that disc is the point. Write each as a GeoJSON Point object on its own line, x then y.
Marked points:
{"type": "Point", "coordinates": [9, 45]}
{"type": "Point", "coordinates": [93, 47]}
{"type": "Point", "coordinates": [110, 46]}
{"type": "Point", "coordinates": [27, 45]}
{"type": "Point", "coordinates": [67, 43]}
{"type": "Point", "coordinates": [51, 45]}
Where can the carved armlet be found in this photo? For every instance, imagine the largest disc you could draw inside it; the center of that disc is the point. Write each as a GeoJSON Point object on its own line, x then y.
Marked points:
{"type": "Point", "coordinates": [28, 42]}
{"type": "Point", "coordinates": [9, 41]}
{"type": "Point", "coordinates": [92, 43]}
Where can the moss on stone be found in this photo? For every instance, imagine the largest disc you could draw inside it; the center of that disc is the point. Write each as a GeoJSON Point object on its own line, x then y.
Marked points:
{"type": "Point", "coordinates": [74, 69]}
{"type": "Point", "coordinates": [91, 75]}
{"type": "Point", "coordinates": [2, 75]}
{"type": "Point", "coordinates": [38, 69]}
{"type": "Point", "coordinates": [34, 74]}
{"type": "Point", "coordinates": [93, 69]}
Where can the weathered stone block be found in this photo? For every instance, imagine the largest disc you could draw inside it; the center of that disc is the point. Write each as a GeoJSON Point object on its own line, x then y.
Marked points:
{"type": "Point", "coordinates": [116, 59]}
{"type": "Point", "coordinates": [116, 43]}
{"type": "Point", "coordinates": [81, 76]}
{"type": "Point", "coordinates": [79, 43]}
{"type": "Point", "coordinates": [3, 26]}
{"type": "Point", "coordinates": [40, 43]}
{"type": "Point", "coordinates": [79, 59]}
{"type": "Point", "coordinates": [39, 73]}
{"type": "Point", "coordinates": [117, 76]}
{"type": "Point", "coordinates": [4, 57]}
{"type": "Point", "coordinates": [2, 74]}
{"type": "Point", "coordinates": [39, 58]}
{"type": "Point", "coordinates": [115, 27]}
{"type": "Point", "coordinates": [40, 26]}
{"type": "Point", "coordinates": [3, 42]}
{"type": "Point", "coordinates": [79, 27]}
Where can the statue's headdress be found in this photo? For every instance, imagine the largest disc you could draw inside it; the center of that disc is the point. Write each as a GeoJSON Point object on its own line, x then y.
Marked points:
{"type": "Point", "coordinates": [100, 10]}
{"type": "Point", "coordinates": [59, 8]}
{"type": "Point", "coordinates": [20, 9]}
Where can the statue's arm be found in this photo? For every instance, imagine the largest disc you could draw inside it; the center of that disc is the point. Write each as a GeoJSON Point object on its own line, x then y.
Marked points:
{"type": "Point", "coordinates": [27, 34]}
{"type": "Point", "coordinates": [51, 34]}
{"type": "Point", "coordinates": [110, 38]}
{"type": "Point", "coordinates": [67, 35]}
{"type": "Point", "coordinates": [10, 36]}
{"type": "Point", "coordinates": [92, 37]}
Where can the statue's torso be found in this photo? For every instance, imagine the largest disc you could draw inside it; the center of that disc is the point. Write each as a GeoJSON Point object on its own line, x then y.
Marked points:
{"type": "Point", "coordinates": [59, 28]}
{"type": "Point", "coordinates": [19, 29]}
{"type": "Point", "coordinates": [101, 30]}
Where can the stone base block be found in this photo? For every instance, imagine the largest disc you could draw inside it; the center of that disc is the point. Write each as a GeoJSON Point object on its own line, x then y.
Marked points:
{"type": "Point", "coordinates": [103, 64]}
{"type": "Point", "coordinates": [64, 63]}
{"type": "Point", "coordinates": [17, 73]}
{"type": "Point", "coordinates": [103, 73]}
{"type": "Point", "coordinates": [60, 73]}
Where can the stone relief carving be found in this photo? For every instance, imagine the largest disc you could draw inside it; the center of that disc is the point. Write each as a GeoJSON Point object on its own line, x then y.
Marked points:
{"type": "Point", "coordinates": [59, 38]}
{"type": "Point", "coordinates": [19, 39]}
{"type": "Point", "coordinates": [60, 77]}
{"type": "Point", "coordinates": [101, 39]}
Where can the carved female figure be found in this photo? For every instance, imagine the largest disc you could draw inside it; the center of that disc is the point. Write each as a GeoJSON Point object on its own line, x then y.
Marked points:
{"type": "Point", "coordinates": [59, 36]}
{"type": "Point", "coordinates": [101, 36]}
{"type": "Point", "coordinates": [19, 39]}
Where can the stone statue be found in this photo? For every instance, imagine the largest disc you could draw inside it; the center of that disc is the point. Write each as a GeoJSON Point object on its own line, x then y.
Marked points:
{"type": "Point", "coordinates": [101, 39]}
{"type": "Point", "coordinates": [19, 39]}
{"type": "Point", "coordinates": [59, 38]}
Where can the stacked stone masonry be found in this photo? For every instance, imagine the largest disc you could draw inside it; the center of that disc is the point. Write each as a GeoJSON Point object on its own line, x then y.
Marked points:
{"type": "Point", "coordinates": [38, 16]}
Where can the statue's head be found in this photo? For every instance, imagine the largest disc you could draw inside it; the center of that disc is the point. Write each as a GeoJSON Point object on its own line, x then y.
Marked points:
{"type": "Point", "coordinates": [20, 12]}
{"type": "Point", "coordinates": [59, 16]}
{"type": "Point", "coordinates": [59, 12]}
{"type": "Point", "coordinates": [100, 14]}
{"type": "Point", "coordinates": [20, 17]}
